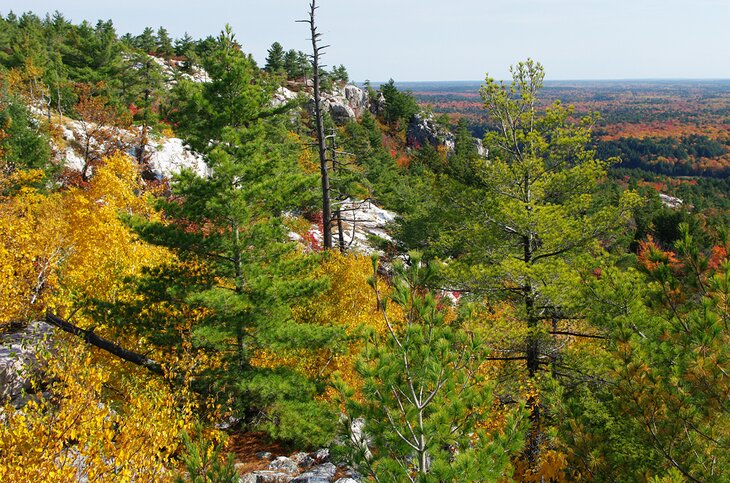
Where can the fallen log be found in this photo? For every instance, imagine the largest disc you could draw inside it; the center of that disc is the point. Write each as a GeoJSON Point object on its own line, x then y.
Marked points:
{"type": "Point", "coordinates": [104, 344]}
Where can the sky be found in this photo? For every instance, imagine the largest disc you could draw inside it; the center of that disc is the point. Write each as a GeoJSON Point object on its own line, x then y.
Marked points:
{"type": "Point", "coordinates": [432, 40]}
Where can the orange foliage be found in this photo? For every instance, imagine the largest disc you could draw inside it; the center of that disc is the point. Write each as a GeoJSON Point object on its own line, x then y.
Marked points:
{"type": "Point", "coordinates": [662, 129]}
{"type": "Point", "coordinates": [718, 256]}
{"type": "Point", "coordinates": [99, 129]}
{"type": "Point", "coordinates": [652, 257]}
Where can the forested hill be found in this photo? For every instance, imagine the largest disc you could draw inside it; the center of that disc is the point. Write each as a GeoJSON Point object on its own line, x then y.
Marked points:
{"type": "Point", "coordinates": [670, 127]}
{"type": "Point", "coordinates": [207, 275]}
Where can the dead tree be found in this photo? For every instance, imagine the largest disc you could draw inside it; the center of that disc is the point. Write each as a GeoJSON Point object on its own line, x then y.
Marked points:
{"type": "Point", "coordinates": [319, 126]}
{"type": "Point", "coordinates": [90, 337]}
{"type": "Point", "coordinates": [338, 210]}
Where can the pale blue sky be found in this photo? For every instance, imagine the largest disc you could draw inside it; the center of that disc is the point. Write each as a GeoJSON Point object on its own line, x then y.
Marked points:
{"type": "Point", "coordinates": [452, 39]}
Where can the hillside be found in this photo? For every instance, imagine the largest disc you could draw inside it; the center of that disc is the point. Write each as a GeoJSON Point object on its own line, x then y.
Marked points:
{"type": "Point", "coordinates": [210, 276]}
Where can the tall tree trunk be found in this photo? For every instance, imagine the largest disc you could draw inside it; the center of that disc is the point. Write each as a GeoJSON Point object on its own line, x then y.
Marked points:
{"type": "Point", "coordinates": [58, 96]}
{"type": "Point", "coordinates": [338, 211]}
{"type": "Point", "coordinates": [319, 126]}
{"type": "Point", "coordinates": [532, 449]}
{"type": "Point", "coordinates": [143, 141]}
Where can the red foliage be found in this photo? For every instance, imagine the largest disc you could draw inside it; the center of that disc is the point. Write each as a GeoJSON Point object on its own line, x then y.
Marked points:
{"type": "Point", "coordinates": [70, 178]}
{"type": "Point", "coordinates": [658, 186]}
{"type": "Point", "coordinates": [311, 241]}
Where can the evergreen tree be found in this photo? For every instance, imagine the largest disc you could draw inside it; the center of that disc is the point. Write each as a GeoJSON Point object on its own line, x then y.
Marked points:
{"type": "Point", "coordinates": [339, 74]}
{"type": "Point", "coordinates": [233, 222]}
{"type": "Point", "coordinates": [425, 400]}
{"type": "Point", "coordinates": [662, 407]}
{"type": "Point", "coordinates": [184, 45]}
{"type": "Point", "coordinates": [236, 97]}
{"type": "Point", "coordinates": [146, 41]}
{"type": "Point", "coordinates": [303, 65]}
{"type": "Point", "coordinates": [296, 64]}
{"type": "Point", "coordinates": [164, 44]}
{"type": "Point", "coordinates": [525, 222]}
{"type": "Point", "coordinates": [275, 58]}
{"type": "Point", "coordinates": [23, 144]}
{"type": "Point", "coordinates": [94, 54]}
{"type": "Point", "coordinates": [400, 107]}
{"type": "Point", "coordinates": [290, 63]}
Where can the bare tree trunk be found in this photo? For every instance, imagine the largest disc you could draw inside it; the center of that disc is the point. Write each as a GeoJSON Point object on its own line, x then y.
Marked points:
{"type": "Point", "coordinates": [319, 126]}
{"type": "Point", "coordinates": [338, 211]}
{"type": "Point", "coordinates": [93, 339]}
{"type": "Point", "coordinates": [58, 95]}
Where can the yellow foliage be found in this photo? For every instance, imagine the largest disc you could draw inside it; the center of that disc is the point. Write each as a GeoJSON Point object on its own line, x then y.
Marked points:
{"type": "Point", "coordinates": [550, 467]}
{"type": "Point", "coordinates": [349, 302]}
{"type": "Point", "coordinates": [167, 132]}
{"type": "Point", "coordinates": [308, 160]}
{"type": "Point", "coordinates": [71, 245]}
{"type": "Point", "coordinates": [99, 413]}
{"type": "Point", "coordinates": [32, 249]}
{"type": "Point", "coordinates": [26, 80]}
{"type": "Point", "coordinates": [102, 251]}
{"type": "Point", "coordinates": [124, 431]}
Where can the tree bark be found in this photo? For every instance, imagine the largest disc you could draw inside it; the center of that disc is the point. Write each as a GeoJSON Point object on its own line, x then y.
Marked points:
{"type": "Point", "coordinates": [104, 344]}
{"type": "Point", "coordinates": [319, 126]}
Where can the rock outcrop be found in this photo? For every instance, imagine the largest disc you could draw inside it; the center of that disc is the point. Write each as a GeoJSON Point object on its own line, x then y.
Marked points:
{"type": "Point", "coordinates": [344, 103]}
{"type": "Point", "coordinates": [314, 467]}
{"type": "Point", "coordinates": [670, 201]}
{"type": "Point", "coordinates": [19, 359]}
{"type": "Point", "coordinates": [423, 129]}
{"type": "Point", "coordinates": [169, 156]}
{"type": "Point", "coordinates": [362, 221]}
{"type": "Point", "coordinates": [165, 156]}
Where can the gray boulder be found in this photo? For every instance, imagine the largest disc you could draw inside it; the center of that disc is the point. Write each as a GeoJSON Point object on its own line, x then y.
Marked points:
{"type": "Point", "coordinates": [323, 473]}
{"type": "Point", "coordinates": [423, 129]}
{"type": "Point", "coordinates": [377, 107]}
{"type": "Point", "coordinates": [343, 103]}
{"type": "Point", "coordinates": [264, 455]}
{"type": "Point", "coordinates": [265, 476]}
{"type": "Point", "coordinates": [321, 455]}
{"type": "Point", "coordinates": [302, 459]}
{"type": "Point", "coordinates": [357, 99]}
{"type": "Point", "coordinates": [19, 352]}
{"type": "Point", "coordinates": [341, 113]}
{"type": "Point", "coordinates": [282, 463]}
{"type": "Point", "coordinates": [481, 150]}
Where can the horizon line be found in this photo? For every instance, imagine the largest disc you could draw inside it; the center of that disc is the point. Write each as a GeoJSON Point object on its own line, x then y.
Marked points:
{"type": "Point", "coordinates": [617, 79]}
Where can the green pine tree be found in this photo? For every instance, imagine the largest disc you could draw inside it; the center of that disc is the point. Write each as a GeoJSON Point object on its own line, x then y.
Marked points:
{"type": "Point", "coordinates": [164, 46]}
{"type": "Point", "coordinates": [233, 221]}
{"type": "Point", "coordinates": [521, 224]}
{"type": "Point", "coordinates": [425, 401]}
{"type": "Point", "coordinates": [146, 41]}
{"type": "Point", "coordinates": [275, 58]}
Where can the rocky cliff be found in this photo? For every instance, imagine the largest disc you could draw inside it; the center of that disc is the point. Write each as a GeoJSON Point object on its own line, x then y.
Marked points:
{"type": "Point", "coordinates": [423, 129]}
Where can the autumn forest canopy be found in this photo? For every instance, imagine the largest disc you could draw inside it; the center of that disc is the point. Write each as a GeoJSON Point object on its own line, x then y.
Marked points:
{"type": "Point", "coordinates": [216, 268]}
